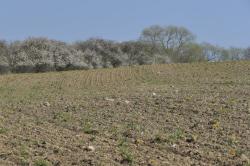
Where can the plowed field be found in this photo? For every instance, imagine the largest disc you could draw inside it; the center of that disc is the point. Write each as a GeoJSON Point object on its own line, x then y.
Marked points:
{"type": "Point", "coordinates": [174, 114]}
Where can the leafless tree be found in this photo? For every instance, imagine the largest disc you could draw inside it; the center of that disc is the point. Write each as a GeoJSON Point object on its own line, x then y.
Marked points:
{"type": "Point", "coordinates": [171, 39]}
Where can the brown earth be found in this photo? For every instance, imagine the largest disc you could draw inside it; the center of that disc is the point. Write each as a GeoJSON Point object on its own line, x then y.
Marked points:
{"type": "Point", "coordinates": [176, 114]}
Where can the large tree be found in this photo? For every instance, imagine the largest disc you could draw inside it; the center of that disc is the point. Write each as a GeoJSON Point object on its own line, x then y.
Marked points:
{"type": "Point", "coordinates": [171, 39]}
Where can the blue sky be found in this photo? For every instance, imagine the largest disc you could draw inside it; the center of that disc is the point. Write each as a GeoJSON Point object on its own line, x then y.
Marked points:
{"type": "Point", "coordinates": [222, 22]}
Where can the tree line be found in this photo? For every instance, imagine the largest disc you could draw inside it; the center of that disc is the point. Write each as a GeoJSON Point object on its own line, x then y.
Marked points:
{"type": "Point", "coordinates": [156, 45]}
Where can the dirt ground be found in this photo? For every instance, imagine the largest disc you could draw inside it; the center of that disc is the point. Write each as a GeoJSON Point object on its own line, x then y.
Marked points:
{"type": "Point", "coordinates": [158, 115]}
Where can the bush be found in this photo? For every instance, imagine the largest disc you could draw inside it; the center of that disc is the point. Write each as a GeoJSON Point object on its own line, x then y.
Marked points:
{"type": "Point", "coordinates": [137, 52]}
{"type": "Point", "coordinates": [44, 67]}
{"type": "Point", "coordinates": [23, 69]}
{"type": "Point", "coordinates": [42, 55]}
{"type": "Point", "coordinates": [101, 53]}
{"type": "Point", "coordinates": [77, 66]}
{"type": "Point", "coordinates": [4, 69]}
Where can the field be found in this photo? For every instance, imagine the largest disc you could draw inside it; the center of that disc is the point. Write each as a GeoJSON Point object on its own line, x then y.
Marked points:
{"type": "Point", "coordinates": [174, 114]}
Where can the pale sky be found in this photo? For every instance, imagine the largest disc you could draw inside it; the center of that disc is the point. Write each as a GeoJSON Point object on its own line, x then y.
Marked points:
{"type": "Point", "coordinates": [222, 22]}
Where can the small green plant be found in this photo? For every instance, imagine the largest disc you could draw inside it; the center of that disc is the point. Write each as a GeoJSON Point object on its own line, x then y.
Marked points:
{"type": "Point", "coordinates": [122, 142]}
{"type": "Point", "coordinates": [174, 137]}
{"type": "Point", "coordinates": [133, 126]}
{"type": "Point", "coordinates": [127, 156]}
{"type": "Point", "coordinates": [24, 152]}
{"type": "Point", "coordinates": [159, 139]}
{"type": "Point", "coordinates": [3, 130]}
{"type": "Point", "coordinates": [215, 124]}
{"type": "Point", "coordinates": [41, 162]}
{"type": "Point", "coordinates": [63, 116]}
{"type": "Point", "coordinates": [88, 129]}
{"type": "Point", "coordinates": [225, 110]}
{"type": "Point", "coordinates": [23, 162]}
{"type": "Point", "coordinates": [232, 140]}
{"type": "Point", "coordinates": [131, 130]}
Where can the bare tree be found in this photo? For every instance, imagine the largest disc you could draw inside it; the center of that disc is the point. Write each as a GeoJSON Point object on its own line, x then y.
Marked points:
{"type": "Point", "coordinates": [247, 54]}
{"type": "Point", "coordinates": [192, 52]}
{"type": "Point", "coordinates": [211, 52]}
{"type": "Point", "coordinates": [154, 35]}
{"type": "Point", "coordinates": [236, 53]}
{"type": "Point", "coordinates": [171, 39]}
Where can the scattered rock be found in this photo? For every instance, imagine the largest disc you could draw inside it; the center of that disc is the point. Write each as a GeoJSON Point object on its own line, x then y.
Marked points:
{"type": "Point", "coordinates": [127, 102]}
{"type": "Point", "coordinates": [109, 99]}
{"type": "Point", "coordinates": [174, 145]}
{"type": "Point", "coordinates": [46, 104]}
{"type": "Point", "coordinates": [153, 163]}
{"type": "Point", "coordinates": [90, 148]}
{"type": "Point", "coordinates": [154, 94]}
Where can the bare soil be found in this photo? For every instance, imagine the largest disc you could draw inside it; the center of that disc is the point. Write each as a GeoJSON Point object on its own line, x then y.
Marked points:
{"type": "Point", "coordinates": [176, 114]}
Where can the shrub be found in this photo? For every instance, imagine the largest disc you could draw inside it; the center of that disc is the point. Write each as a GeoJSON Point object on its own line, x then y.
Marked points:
{"type": "Point", "coordinates": [101, 53]}
{"type": "Point", "coordinates": [4, 69]}
{"type": "Point", "coordinates": [23, 69]}
{"type": "Point", "coordinates": [44, 67]}
{"type": "Point", "coordinates": [41, 55]}
{"type": "Point", "coordinates": [4, 64]}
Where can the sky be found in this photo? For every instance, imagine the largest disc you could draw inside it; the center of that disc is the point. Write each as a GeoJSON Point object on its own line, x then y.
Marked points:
{"type": "Point", "coordinates": [221, 22]}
